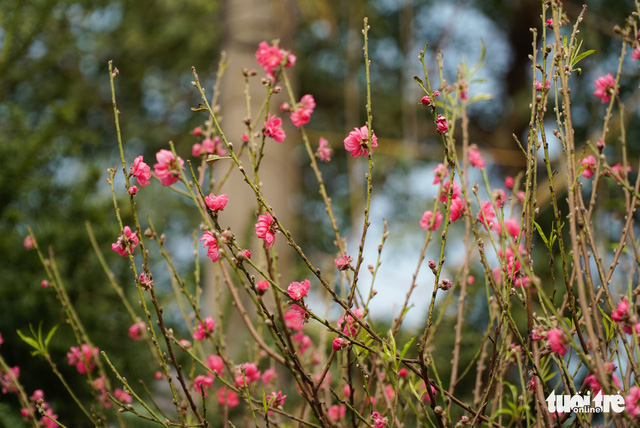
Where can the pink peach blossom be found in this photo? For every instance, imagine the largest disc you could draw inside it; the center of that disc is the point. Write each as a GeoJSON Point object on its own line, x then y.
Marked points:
{"type": "Point", "coordinates": [509, 182]}
{"type": "Point", "coordinates": [444, 195]}
{"type": "Point", "coordinates": [266, 229]}
{"type": "Point", "coordinates": [604, 88]}
{"type": "Point", "coordinates": [275, 400]}
{"type": "Point", "coordinates": [201, 383]}
{"type": "Point", "coordinates": [378, 420]}
{"type": "Point", "coordinates": [513, 227]}
{"type": "Point", "coordinates": [167, 169]}
{"type": "Point", "coordinates": [296, 317]}
{"type": "Point", "coordinates": [213, 248]}
{"type": "Point", "coordinates": [269, 56]}
{"type": "Point", "coordinates": [8, 379]}
{"type": "Point", "coordinates": [337, 412]}
{"type": "Point", "coordinates": [268, 375]}
{"type": "Point", "coordinates": [590, 163]}
{"type": "Point", "coordinates": [247, 373]}
{"type": "Point", "coordinates": [145, 281]}
{"type": "Point", "coordinates": [28, 242]}
{"type": "Point", "coordinates": [620, 171]}
{"type": "Point", "coordinates": [348, 324]}
{"type": "Point", "coordinates": [273, 128]}
{"type": "Point", "coordinates": [123, 396]}
{"type": "Point", "coordinates": [216, 202]}
{"type": "Point", "coordinates": [357, 142]}
{"type": "Point", "coordinates": [441, 123]}
{"type": "Point", "coordinates": [208, 146]}
{"type": "Point", "coordinates": [487, 214]}
{"type": "Point", "coordinates": [83, 357]}
{"type": "Point", "coordinates": [621, 314]}
{"type": "Point", "coordinates": [203, 330]}
{"type": "Point", "coordinates": [342, 262]}
{"type": "Point", "coordinates": [324, 152]}
{"type": "Point", "coordinates": [557, 340]}
{"type": "Point", "coordinates": [298, 290]}
{"type": "Point", "coordinates": [226, 397]}
{"type": "Point", "coordinates": [126, 242]}
{"type": "Point", "coordinates": [303, 341]}
{"type": "Point", "coordinates": [457, 209]}
{"type": "Point", "coordinates": [216, 364]}
{"type": "Point", "coordinates": [141, 171]}
{"type": "Point", "coordinates": [136, 331]}
{"type": "Point", "coordinates": [440, 173]}
{"type": "Point", "coordinates": [476, 158]}
{"type": "Point", "coordinates": [631, 402]}
{"type": "Point", "coordinates": [308, 102]}
{"type": "Point", "coordinates": [500, 196]}
{"type": "Point", "coordinates": [428, 222]}
{"type": "Point", "coordinates": [300, 117]}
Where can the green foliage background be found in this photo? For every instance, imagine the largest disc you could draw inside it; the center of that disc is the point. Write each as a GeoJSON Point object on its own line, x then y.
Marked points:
{"type": "Point", "coordinates": [57, 135]}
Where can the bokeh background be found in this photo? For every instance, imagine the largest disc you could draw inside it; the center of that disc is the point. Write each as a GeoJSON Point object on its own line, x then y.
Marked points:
{"type": "Point", "coordinates": [57, 135]}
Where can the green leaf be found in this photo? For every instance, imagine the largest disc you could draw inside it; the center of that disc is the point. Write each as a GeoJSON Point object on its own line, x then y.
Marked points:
{"type": "Point", "coordinates": [582, 56]}
{"type": "Point", "coordinates": [607, 325]}
{"type": "Point", "coordinates": [544, 238]}
{"type": "Point", "coordinates": [500, 412]}
{"type": "Point", "coordinates": [392, 340]}
{"type": "Point", "coordinates": [50, 336]}
{"type": "Point", "coordinates": [406, 348]}
{"type": "Point", "coordinates": [30, 341]}
{"type": "Point", "coordinates": [480, 97]}
{"type": "Point", "coordinates": [213, 158]}
{"type": "Point", "coordinates": [417, 79]}
{"type": "Point", "coordinates": [199, 107]}
{"type": "Point", "coordinates": [414, 391]}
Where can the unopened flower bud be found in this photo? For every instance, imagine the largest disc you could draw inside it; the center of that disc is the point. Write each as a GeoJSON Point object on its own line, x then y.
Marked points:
{"type": "Point", "coordinates": [227, 236]}
{"type": "Point", "coordinates": [262, 287]}
{"type": "Point", "coordinates": [432, 266]}
{"type": "Point", "coordinates": [244, 255]}
{"type": "Point", "coordinates": [339, 344]}
{"type": "Point", "coordinates": [445, 284]}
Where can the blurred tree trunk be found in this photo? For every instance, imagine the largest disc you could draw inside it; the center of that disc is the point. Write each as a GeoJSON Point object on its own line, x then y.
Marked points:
{"type": "Point", "coordinates": [248, 22]}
